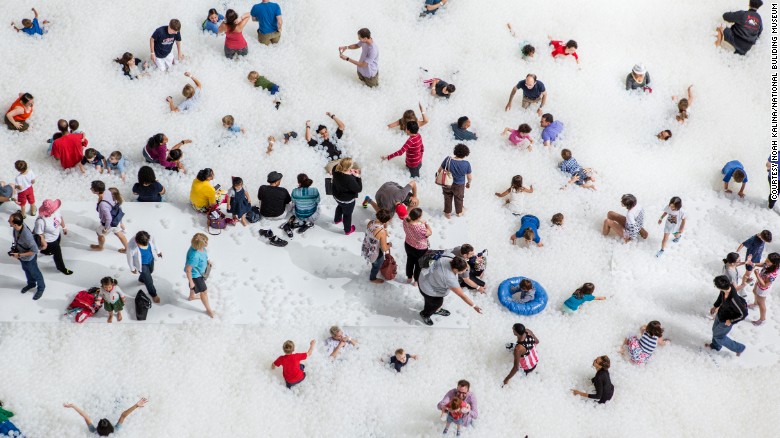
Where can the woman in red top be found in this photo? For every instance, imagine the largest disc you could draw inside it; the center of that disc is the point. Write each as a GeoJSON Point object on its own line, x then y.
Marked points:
{"type": "Point", "coordinates": [235, 44]}
{"type": "Point", "coordinates": [20, 110]}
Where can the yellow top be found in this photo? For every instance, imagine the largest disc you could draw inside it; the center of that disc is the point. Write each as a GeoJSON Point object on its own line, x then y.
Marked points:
{"type": "Point", "coordinates": [202, 194]}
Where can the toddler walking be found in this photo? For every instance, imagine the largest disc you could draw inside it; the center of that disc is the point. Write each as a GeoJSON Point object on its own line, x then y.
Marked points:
{"type": "Point", "coordinates": [24, 187]}
{"type": "Point", "coordinates": [675, 222]}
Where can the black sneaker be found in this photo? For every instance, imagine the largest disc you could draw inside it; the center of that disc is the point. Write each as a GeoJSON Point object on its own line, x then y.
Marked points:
{"type": "Point", "coordinates": [288, 230]}
{"type": "Point", "coordinates": [510, 345]}
{"type": "Point", "coordinates": [267, 233]}
{"type": "Point", "coordinates": [38, 294]}
{"type": "Point", "coordinates": [276, 105]}
{"type": "Point", "coordinates": [306, 225]}
{"type": "Point", "coordinates": [442, 312]}
{"type": "Point", "coordinates": [67, 272]}
{"type": "Point", "coordinates": [426, 320]}
{"type": "Point", "coordinates": [275, 241]}
{"type": "Point", "coordinates": [27, 288]}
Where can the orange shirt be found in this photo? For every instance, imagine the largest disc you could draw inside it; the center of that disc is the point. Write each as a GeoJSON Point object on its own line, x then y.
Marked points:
{"type": "Point", "coordinates": [18, 104]}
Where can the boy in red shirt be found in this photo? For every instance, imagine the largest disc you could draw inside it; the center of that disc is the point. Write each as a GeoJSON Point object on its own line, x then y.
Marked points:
{"type": "Point", "coordinates": [569, 49]}
{"type": "Point", "coordinates": [413, 148]}
{"type": "Point", "coordinates": [292, 368]}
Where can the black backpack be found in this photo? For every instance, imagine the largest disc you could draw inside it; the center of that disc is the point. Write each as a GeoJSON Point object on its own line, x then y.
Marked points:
{"type": "Point", "coordinates": [430, 256]}
{"type": "Point", "coordinates": [142, 305]}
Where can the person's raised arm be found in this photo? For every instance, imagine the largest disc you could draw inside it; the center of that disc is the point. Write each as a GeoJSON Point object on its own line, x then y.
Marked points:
{"type": "Point", "coordinates": [307, 135]}
{"type": "Point", "coordinates": [35, 12]}
{"type": "Point", "coordinates": [194, 79]}
{"type": "Point", "coordinates": [338, 121]}
{"type": "Point", "coordinates": [244, 20]}
{"type": "Point", "coordinates": [222, 28]}
{"type": "Point", "coordinates": [311, 348]}
{"type": "Point", "coordinates": [504, 193]}
{"type": "Point", "coordinates": [511, 96]}
{"type": "Point", "coordinates": [79, 411]}
{"type": "Point", "coordinates": [424, 120]}
{"type": "Point", "coordinates": [139, 404]}
{"type": "Point", "coordinates": [690, 95]}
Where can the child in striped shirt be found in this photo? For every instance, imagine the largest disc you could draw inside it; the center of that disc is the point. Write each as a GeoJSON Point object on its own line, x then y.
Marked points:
{"type": "Point", "coordinates": [640, 349]}
{"type": "Point", "coordinates": [413, 148]}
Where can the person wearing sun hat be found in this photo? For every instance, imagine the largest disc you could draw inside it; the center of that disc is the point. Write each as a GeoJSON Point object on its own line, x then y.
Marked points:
{"type": "Point", "coordinates": [49, 227]}
{"type": "Point", "coordinates": [638, 79]}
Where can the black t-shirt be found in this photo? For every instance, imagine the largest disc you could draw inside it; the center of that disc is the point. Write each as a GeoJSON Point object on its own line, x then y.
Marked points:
{"type": "Point", "coordinates": [273, 200]}
{"type": "Point", "coordinates": [97, 161]}
{"type": "Point", "coordinates": [163, 41]}
{"type": "Point", "coordinates": [334, 153]}
{"type": "Point", "coordinates": [150, 193]}
{"type": "Point", "coordinates": [398, 365]}
{"type": "Point", "coordinates": [439, 89]}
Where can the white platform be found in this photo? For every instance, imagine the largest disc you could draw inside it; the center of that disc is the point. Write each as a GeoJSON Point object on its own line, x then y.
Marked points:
{"type": "Point", "coordinates": [319, 272]}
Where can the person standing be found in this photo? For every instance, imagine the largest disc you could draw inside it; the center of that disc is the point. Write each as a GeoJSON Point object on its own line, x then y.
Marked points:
{"type": "Point", "coordinates": [728, 310]}
{"type": "Point", "coordinates": [744, 33]}
{"type": "Point", "coordinates": [269, 17]}
{"type": "Point", "coordinates": [413, 148]}
{"type": "Point", "coordinates": [375, 244]}
{"type": "Point", "coordinates": [604, 387]}
{"type": "Point", "coordinates": [232, 27]}
{"type": "Point", "coordinates": [416, 243]}
{"type": "Point", "coordinates": [197, 267]}
{"type": "Point", "coordinates": [368, 64]}
{"type": "Point", "coordinates": [50, 226]}
{"type": "Point", "coordinates": [533, 92]}
{"type": "Point", "coordinates": [141, 252]}
{"type": "Point", "coordinates": [461, 180]}
{"type": "Point", "coordinates": [524, 352]}
{"type": "Point", "coordinates": [462, 391]}
{"type": "Point", "coordinates": [347, 185]}
{"type": "Point", "coordinates": [110, 216]}
{"type": "Point", "coordinates": [25, 250]}
{"type": "Point", "coordinates": [21, 110]}
{"type": "Point", "coordinates": [437, 282]}
{"type": "Point", "coordinates": [161, 45]}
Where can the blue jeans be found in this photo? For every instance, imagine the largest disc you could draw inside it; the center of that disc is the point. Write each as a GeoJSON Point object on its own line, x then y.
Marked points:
{"type": "Point", "coordinates": [376, 265]}
{"type": "Point", "coordinates": [145, 277]}
{"type": "Point", "coordinates": [720, 337]}
{"type": "Point", "coordinates": [33, 274]}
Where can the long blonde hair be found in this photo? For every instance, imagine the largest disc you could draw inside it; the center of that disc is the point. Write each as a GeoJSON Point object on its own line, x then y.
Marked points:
{"type": "Point", "coordinates": [344, 165]}
{"type": "Point", "coordinates": [117, 196]}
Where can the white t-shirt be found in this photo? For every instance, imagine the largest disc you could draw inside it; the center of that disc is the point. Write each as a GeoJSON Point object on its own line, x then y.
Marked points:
{"type": "Point", "coordinates": [331, 344]}
{"type": "Point", "coordinates": [674, 217]}
{"type": "Point", "coordinates": [113, 296]}
{"type": "Point", "coordinates": [24, 180]}
{"type": "Point", "coordinates": [515, 204]}
{"type": "Point", "coordinates": [50, 227]}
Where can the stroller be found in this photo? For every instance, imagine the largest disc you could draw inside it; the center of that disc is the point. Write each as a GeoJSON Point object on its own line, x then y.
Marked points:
{"type": "Point", "coordinates": [83, 305]}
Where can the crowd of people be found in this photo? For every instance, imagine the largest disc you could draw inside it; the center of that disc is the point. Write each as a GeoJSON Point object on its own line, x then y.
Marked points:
{"type": "Point", "coordinates": [435, 273]}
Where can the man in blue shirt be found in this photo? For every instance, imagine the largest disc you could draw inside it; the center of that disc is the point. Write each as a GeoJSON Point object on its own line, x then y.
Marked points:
{"type": "Point", "coordinates": [533, 92]}
{"type": "Point", "coordinates": [552, 129]}
{"type": "Point", "coordinates": [736, 170]}
{"type": "Point", "coordinates": [269, 16]}
{"type": "Point", "coordinates": [161, 44]}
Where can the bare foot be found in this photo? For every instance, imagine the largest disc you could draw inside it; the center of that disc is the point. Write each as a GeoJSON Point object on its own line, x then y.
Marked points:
{"type": "Point", "coordinates": [414, 283]}
{"type": "Point", "coordinates": [460, 214]}
{"type": "Point", "coordinates": [119, 317]}
{"type": "Point", "coordinates": [210, 313]}
{"type": "Point", "coordinates": [96, 247]}
{"type": "Point", "coordinates": [448, 216]}
{"type": "Point", "coordinates": [192, 297]}
{"type": "Point", "coordinates": [740, 353]}
{"type": "Point", "coordinates": [110, 318]}
{"type": "Point", "coordinates": [156, 300]}
{"type": "Point", "coordinates": [377, 281]}
{"type": "Point", "coordinates": [707, 345]}
{"type": "Point", "coordinates": [410, 280]}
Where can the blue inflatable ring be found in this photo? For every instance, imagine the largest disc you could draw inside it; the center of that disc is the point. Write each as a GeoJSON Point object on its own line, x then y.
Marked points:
{"type": "Point", "coordinates": [530, 308]}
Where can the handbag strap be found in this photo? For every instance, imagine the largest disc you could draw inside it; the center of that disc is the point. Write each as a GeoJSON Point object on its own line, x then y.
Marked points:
{"type": "Point", "coordinates": [447, 166]}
